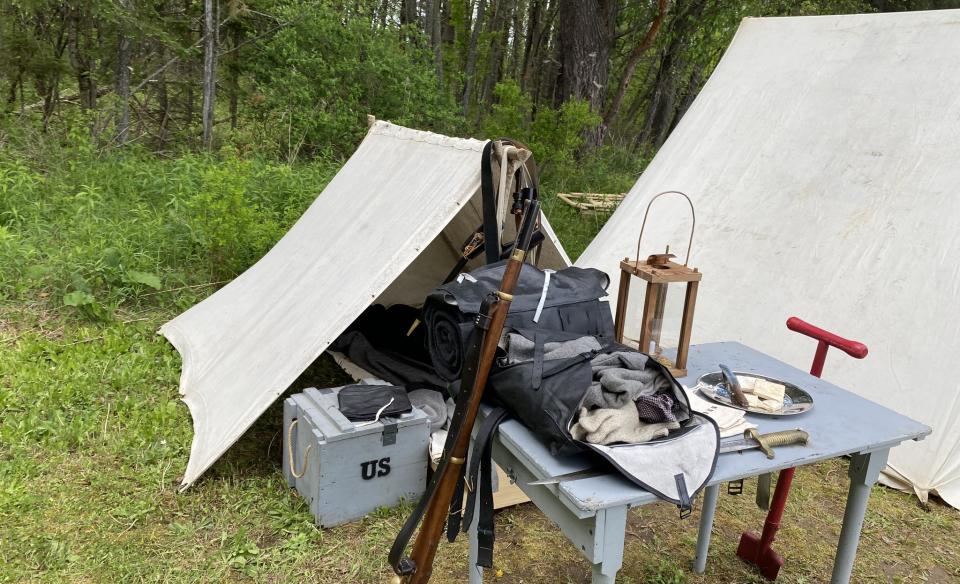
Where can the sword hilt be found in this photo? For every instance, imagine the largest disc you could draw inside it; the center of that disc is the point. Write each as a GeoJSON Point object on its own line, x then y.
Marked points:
{"type": "Point", "coordinates": [783, 438]}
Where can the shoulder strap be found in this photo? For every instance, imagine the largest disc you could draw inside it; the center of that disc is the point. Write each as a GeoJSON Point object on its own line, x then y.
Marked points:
{"type": "Point", "coordinates": [479, 478]}
{"type": "Point", "coordinates": [489, 199]}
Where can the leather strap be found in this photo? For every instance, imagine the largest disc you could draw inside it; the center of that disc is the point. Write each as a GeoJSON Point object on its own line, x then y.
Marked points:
{"type": "Point", "coordinates": [398, 562]}
{"type": "Point", "coordinates": [539, 339]}
{"type": "Point", "coordinates": [480, 473]}
{"type": "Point", "coordinates": [489, 199]}
{"type": "Point", "coordinates": [456, 507]}
{"type": "Point", "coordinates": [685, 506]}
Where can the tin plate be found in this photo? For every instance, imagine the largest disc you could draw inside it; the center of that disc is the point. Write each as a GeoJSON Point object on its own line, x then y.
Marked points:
{"type": "Point", "coordinates": [795, 400]}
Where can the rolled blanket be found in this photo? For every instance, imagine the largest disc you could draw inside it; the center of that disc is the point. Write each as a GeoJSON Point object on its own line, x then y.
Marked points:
{"type": "Point", "coordinates": [569, 301]}
{"type": "Point", "coordinates": [448, 331]}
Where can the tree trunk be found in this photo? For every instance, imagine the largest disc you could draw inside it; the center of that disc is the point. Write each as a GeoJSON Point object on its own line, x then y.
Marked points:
{"type": "Point", "coordinates": [209, 69]}
{"type": "Point", "coordinates": [434, 18]}
{"type": "Point", "coordinates": [408, 12]}
{"type": "Point", "coordinates": [382, 13]}
{"type": "Point", "coordinates": [500, 28]}
{"type": "Point", "coordinates": [47, 88]}
{"type": "Point", "coordinates": [163, 103]}
{"type": "Point", "coordinates": [123, 78]}
{"type": "Point", "coordinates": [81, 62]}
{"type": "Point", "coordinates": [587, 30]}
{"type": "Point", "coordinates": [694, 84]}
{"type": "Point", "coordinates": [633, 60]}
{"type": "Point", "coordinates": [14, 84]}
{"type": "Point", "coordinates": [519, 41]}
{"type": "Point", "coordinates": [471, 68]}
{"type": "Point", "coordinates": [532, 41]}
{"type": "Point", "coordinates": [586, 34]}
{"type": "Point", "coordinates": [544, 62]}
{"type": "Point", "coordinates": [663, 106]}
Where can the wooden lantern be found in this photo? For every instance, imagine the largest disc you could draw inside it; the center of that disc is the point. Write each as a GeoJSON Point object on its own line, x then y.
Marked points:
{"type": "Point", "coordinates": [659, 271]}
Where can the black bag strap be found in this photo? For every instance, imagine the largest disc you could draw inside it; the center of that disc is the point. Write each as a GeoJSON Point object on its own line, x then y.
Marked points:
{"type": "Point", "coordinates": [539, 340]}
{"type": "Point", "coordinates": [456, 507]}
{"type": "Point", "coordinates": [685, 506]}
{"type": "Point", "coordinates": [395, 557]}
{"type": "Point", "coordinates": [479, 477]}
{"type": "Point", "coordinates": [491, 237]}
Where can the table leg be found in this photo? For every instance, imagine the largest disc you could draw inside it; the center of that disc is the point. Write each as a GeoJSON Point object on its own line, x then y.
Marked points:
{"type": "Point", "coordinates": [475, 571]}
{"type": "Point", "coordinates": [708, 508]}
{"type": "Point", "coordinates": [864, 470]}
{"type": "Point", "coordinates": [609, 531]}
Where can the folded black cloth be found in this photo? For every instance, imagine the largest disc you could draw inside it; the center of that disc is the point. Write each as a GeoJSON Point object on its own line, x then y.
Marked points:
{"type": "Point", "coordinates": [360, 403]}
{"type": "Point", "coordinates": [378, 341]}
{"type": "Point", "coordinates": [390, 366]}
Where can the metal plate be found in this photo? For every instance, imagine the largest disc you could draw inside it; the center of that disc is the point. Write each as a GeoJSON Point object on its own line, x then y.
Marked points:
{"type": "Point", "coordinates": [795, 400]}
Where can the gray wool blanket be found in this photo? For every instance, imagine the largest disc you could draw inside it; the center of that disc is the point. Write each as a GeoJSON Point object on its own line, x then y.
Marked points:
{"type": "Point", "coordinates": [621, 378]}
{"type": "Point", "coordinates": [521, 349]}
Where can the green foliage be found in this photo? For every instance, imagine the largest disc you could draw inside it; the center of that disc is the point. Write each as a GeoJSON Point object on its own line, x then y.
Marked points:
{"type": "Point", "coordinates": [554, 135]}
{"type": "Point", "coordinates": [97, 232]}
{"type": "Point", "coordinates": [315, 81]}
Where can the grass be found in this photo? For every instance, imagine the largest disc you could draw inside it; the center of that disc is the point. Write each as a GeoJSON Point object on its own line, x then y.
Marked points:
{"type": "Point", "coordinates": [93, 439]}
{"type": "Point", "coordinates": [93, 436]}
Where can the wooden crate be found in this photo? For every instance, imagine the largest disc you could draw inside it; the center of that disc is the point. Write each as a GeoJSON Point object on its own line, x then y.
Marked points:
{"type": "Point", "coordinates": [348, 470]}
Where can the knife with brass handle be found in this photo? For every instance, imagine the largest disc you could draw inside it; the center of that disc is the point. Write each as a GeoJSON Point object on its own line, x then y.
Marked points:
{"type": "Point", "coordinates": [765, 442]}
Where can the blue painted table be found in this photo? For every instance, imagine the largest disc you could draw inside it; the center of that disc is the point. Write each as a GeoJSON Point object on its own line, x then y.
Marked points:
{"type": "Point", "coordinates": [592, 512]}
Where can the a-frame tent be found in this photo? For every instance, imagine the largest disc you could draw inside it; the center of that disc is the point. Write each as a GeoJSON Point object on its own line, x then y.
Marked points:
{"type": "Point", "coordinates": [387, 229]}
{"type": "Point", "coordinates": [823, 156]}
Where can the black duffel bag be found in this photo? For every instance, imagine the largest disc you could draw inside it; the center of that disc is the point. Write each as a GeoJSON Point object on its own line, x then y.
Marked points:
{"type": "Point", "coordinates": [548, 393]}
{"type": "Point", "coordinates": [566, 300]}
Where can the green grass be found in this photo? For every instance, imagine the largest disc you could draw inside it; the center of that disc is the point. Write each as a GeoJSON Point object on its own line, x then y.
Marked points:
{"type": "Point", "coordinates": [93, 436]}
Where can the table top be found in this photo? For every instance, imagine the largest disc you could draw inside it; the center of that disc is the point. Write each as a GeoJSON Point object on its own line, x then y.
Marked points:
{"type": "Point", "coordinates": [839, 423]}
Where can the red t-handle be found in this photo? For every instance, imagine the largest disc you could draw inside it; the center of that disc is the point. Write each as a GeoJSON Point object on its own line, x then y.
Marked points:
{"type": "Point", "coordinates": [827, 339]}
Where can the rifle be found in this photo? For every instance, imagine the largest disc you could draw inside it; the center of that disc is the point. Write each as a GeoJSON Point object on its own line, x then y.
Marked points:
{"type": "Point", "coordinates": [435, 504]}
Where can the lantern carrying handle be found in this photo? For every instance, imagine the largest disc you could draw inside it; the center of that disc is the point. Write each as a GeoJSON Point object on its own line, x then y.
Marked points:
{"type": "Point", "coordinates": [693, 223]}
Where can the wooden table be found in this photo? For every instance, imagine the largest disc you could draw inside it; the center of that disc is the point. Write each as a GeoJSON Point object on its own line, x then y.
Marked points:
{"type": "Point", "coordinates": [592, 512]}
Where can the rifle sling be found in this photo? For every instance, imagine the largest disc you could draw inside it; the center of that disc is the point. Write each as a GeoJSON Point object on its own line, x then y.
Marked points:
{"type": "Point", "coordinates": [400, 564]}
{"type": "Point", "coordinates": [491, 235]}
{"type": "Point", "coordinates": [480, 473]}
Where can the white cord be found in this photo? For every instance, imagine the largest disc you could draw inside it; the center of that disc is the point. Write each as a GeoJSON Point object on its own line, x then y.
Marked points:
{"type": "Point", "coordinates": [377, 417]}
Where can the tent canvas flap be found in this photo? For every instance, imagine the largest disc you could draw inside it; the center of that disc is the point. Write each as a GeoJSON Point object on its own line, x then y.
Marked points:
{"type": "Point", "coordinates": [402, 191]}
{"type": "Point", "coordinates": [822, 157]}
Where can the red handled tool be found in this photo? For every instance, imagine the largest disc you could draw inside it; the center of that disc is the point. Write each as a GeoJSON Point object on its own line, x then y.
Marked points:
{"type": "Point", "coordinates": [756, 550]}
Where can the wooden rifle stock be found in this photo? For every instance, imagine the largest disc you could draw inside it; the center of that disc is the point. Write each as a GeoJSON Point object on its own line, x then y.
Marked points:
{"type": "Point", "coordinates": [455, 455]}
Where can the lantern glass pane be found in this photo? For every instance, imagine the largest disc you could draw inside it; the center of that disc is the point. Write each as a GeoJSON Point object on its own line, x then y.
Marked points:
{"type": "Point", "coordinates": [667, 321]}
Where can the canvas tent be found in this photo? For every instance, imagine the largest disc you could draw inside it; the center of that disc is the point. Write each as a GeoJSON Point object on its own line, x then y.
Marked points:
{"type": "Point", "coordinates": [387, 229]}
{"type": "Point", "coordinates": [823, 156]}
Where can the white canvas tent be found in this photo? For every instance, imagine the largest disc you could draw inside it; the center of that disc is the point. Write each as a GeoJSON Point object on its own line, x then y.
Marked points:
{"type": "Point", "coordinates": [823, 157]}
{"type": "Point", "coordinates": [386, 229]}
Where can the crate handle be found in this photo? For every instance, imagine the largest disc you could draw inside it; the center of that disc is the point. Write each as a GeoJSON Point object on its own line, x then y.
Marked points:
{"type": "Point", "coordinates": [306, 461]}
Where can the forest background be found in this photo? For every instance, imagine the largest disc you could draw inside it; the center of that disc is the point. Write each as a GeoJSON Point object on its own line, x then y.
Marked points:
{"type": "Point", "coordinates": [151, 150]}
